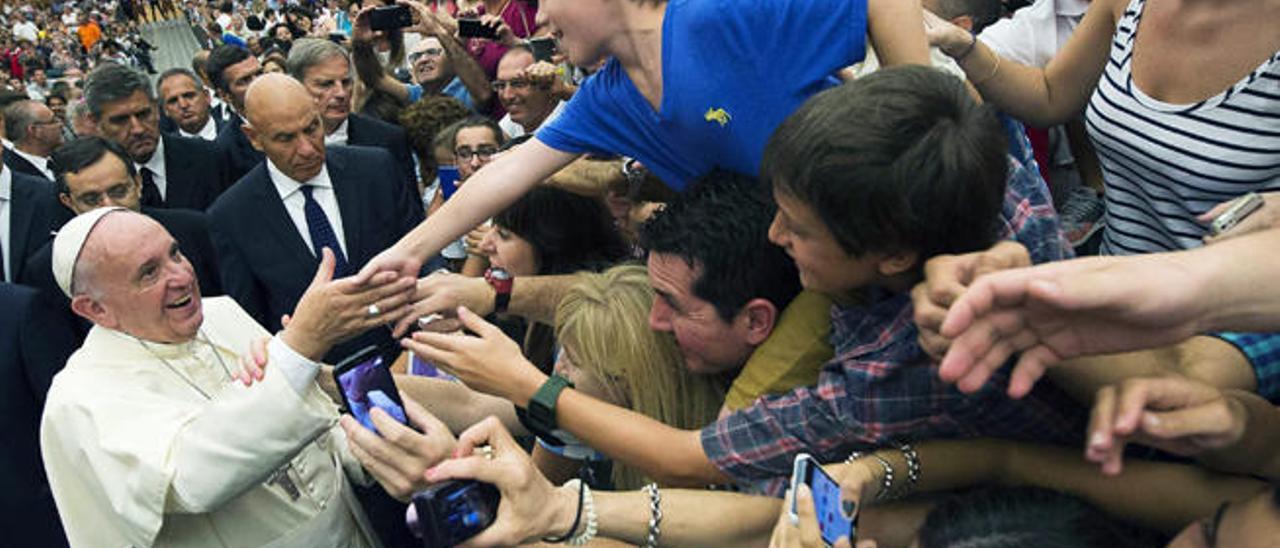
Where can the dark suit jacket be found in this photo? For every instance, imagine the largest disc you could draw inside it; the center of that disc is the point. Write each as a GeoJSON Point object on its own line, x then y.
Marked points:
{"type": "Point", "coordinates": [20, 165]}
{"type": "Point", "coordinates": [194, 174]}
{"type": "Point", "coordinates": [189, 228]}
{"type": "Point", "coordinates": [237, 152]}
{"type": "Point", "coordinates": [33, 215]}
{"type": "Point", "coordinates": [266, 265]}
{"type": "Point", "coordinates": [34, 345]}
{"type": "Point", "coordinates": [368, 132]}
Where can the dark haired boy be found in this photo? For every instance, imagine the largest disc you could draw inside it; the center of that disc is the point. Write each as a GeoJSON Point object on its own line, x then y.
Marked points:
{"type": "Point", "coordinates": [872, 179]}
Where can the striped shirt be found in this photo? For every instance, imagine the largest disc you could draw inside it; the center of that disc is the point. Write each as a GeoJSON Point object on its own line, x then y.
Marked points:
{"type": "Point", "coordinates": [1166, 164]}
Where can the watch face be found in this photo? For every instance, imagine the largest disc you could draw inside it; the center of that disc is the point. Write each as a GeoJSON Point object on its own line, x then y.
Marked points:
{"type": "Point", "coordinates": [498, 274]}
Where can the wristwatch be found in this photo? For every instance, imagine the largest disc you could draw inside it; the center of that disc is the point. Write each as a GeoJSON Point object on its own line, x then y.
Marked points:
{"type": "Point", "coordinates": [501, 281]}
{"type": "Point", "coordinates": [540, 417]}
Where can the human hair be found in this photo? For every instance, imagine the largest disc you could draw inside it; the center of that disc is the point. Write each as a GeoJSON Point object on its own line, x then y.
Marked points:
{"type": "Point", "coordinates": [1014, 517]}
{"type": "Point", "coordinates": [81, 153]}
{"type": "Point", "coordinates": [199, 61]}
{"type": "Point", "coordinates": [720, 228]}
{"type": "Point", "coordinates": [53, 96]}
{"type": "Point", "coordinates": [423, 120]}
{"type": "Point", "coordinates": [448, 136]}
{"type": "Point", "coordinates": [178, 71]}
{"type": "Point", "coordinates": [112, 82]}
{"type": "Point", "coordinates": [219, 59]}
{"type": "Point", "coordinates": [309, 52]}
{"type": "Point", "coordinates": [982, 12]}
{"type": "Point", "coordinates": [602, 321]}
{"type": "Point", "coordinates": [17, 118]}
{"type": "Point", "coordinates": [568, 232]}
{"type": "Point", "coordinates": [923, 169]}
{"type": "Point", "coordinates": [77, 109]}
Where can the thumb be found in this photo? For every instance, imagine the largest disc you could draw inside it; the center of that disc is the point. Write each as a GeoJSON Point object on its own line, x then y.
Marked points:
{"type": "Point", "coordinates": [477, 324]}
{"type": "Point", "coordinates": [324, 274]}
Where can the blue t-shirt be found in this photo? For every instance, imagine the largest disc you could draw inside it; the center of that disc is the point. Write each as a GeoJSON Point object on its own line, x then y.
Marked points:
{"type": "Point", "coordinates": [455, 89]}
{"type": "Point", "coordinates": [732, 71]}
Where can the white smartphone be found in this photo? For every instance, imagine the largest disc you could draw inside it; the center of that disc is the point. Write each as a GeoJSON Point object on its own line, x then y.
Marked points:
{"type": "Point", "coordinates": [833, 524]}
{"type": "Point", "coordinates": [1240, 210]}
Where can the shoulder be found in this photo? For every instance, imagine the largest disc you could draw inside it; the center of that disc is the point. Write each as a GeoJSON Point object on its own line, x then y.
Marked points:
{"type": "Point", "coordinates": [361, 123]}
{"type": "Point", "coordinates": [189, 148]}
{"type": "Point", "coordinates": [178, 219]}
{"type": "Point", "coordinates": [16, 297]}
{"type": "Point", "coordinates": [245, 190]}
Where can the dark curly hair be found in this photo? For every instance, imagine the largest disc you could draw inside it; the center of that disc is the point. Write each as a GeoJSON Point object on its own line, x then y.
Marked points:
{"type": "Point", "coordinates": [568, 232]}
{"type": "Point", "coordinates": [720, 227]}
{"type": "Point", "coordinates": [423, 120]}
{"type": "Point", "coordinates": [1015, 517]}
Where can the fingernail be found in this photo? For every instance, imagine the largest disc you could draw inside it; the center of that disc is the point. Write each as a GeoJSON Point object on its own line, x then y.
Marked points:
{"type": "Point", "coordinates": [849, 507]}
{"type": "Point", "coordinates": [1150, 421]}
{"type": "Point", "coordinates": [1098, 439]}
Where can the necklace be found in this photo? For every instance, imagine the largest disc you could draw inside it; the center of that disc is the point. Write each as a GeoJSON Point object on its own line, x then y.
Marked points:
{"type": "Point", "coordinates": [184, 378]}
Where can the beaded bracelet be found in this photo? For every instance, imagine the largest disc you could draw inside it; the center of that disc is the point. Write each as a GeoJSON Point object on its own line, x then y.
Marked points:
{"type": "Point", "coordinates": [913, 467]}
{"type": "Point", "coordinates": [655, 517]}
{"type": "Point", "coordinates": [582, 496]}
{"type": "Point", "coordinates": [588, 532]}
{"type": "Point", "coordinates": [886, 484]}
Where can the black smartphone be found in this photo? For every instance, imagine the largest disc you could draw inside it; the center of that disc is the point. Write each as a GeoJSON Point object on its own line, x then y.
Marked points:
{"type": "Point", "coordinates": [543, 48]}
{"type": "Point", "coordinates": [390, 17]}
{"type": "Point", "coordinates": [337, 37]}
{"type": "Point", "coordinates": [473, 28]}
{"type": "Point", "coordinates": [365, 382]}
{"type": "Point", "coordinates": [451, 512]}
{"type": "Point", "coordinates": [833, 524]}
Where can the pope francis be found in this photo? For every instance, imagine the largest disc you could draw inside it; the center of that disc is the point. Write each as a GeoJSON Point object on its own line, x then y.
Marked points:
{"type": "Point", "coordinates": [148, 439]}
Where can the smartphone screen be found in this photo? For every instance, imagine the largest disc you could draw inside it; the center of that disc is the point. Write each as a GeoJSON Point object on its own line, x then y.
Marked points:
{"type": "Point", "coordinates": [832, 523]}
{"type": "Point", "coordinates": [473, 28]}
{"type": "Point", "coordinates": [448, 180]}
{"type": "Point", "coordinates": [365, 382]}
{"type": "Point", "coordinates": [543, 48]}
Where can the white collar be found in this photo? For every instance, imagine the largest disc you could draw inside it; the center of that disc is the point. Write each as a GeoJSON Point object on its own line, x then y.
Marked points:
{"type": "Point", "coordinates": [6, 184]}
{"type": "Point", "coordinates": [41, 162]}
{"type": "Point", "coordinates": [286, 185]}
{"type": "Point", "coordinates": [156, 163]}
{"type": "Point", "coordinates": [1070, 8]}
{"type": "Point", "coordinates": [339, 135]}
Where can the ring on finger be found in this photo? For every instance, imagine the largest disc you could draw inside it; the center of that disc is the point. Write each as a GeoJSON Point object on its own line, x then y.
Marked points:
{"type": "Point", "coordinates": [486, 451]}
{"type": "Point", "coordinates": [373, 310]}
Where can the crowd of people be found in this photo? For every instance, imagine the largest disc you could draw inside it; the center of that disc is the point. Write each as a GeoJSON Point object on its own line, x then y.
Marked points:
{"type": "Point", "coordinates": [632, 264]}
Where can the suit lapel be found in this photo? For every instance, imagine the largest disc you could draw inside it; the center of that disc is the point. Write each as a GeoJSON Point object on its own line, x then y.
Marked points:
{"type": "Point", "coordinates": [21, 214]}
{"type": "Point", "coordinates": [176, 190]}
{"type": "Point", "coordinates": [271, 211]}
{"type": "Point", "coordinates": [350, 204]}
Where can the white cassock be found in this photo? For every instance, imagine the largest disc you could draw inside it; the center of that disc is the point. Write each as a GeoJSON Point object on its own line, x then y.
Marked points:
{"type": "Point", "coordinates": [154, 445]}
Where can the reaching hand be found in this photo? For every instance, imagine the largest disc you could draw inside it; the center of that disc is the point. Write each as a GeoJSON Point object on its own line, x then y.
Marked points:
{"type": "Point", "coordinates": [489, 362]}
{"type": "Point", "coordinates": [531, 507]}
{"type": "Point", "coordinates": [398, 259]}
{"type": "Point", "coordinates": [804, 532]}
{"type": "Point", "coordinates": [946, 279]}
{"type": "Point", "coordinates": [1063, 310]}
{"type": "Point", "coordinates": [253, 366]}
{"type": "Point", "coordinates": [441, 294]}
{"type": "Point", "coordinates": [361, 31]}
{"type": "Point", "coordinates": [1174, 414]}
{"type": "Point", "coordinates": [945, 35]}
{"type": "Point", "coordinates": [331, 311]}
{"type": "Point", "coordinates": [399, 457]}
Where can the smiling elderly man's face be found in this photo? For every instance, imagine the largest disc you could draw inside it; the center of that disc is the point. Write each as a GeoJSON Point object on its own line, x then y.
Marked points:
{"type": "Point", "coordinates": [138, 281]}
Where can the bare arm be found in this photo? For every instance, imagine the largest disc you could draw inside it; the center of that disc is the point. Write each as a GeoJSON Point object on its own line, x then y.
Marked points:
{"type": "Point", "coordinates": [895, 28]}
{"type": "Point", "coordinates": [467, 69]}
{"type": "Point", "coordinates": [588, 177]}
{"type": "Point", "coordinates": [1046, 96]}
{"type": "Point", "coordinates": [456, 405]}
{"type": "Point", "coordinates": [372, 74]}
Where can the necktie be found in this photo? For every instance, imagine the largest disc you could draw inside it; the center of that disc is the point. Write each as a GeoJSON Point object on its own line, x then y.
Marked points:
{"type": "Point", "coordinates": [150, 192]}
{"type": "Point", "coordinates": [322, 234]}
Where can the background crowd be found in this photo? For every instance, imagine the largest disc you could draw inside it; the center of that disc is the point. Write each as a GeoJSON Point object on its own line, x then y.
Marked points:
{"type": "Point", "coordinates": [629, 259]}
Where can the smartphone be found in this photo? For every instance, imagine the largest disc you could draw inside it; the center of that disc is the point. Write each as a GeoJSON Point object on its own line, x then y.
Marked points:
{"type": "Point", "coordinates": [390, 17]}
{"type": "Point", "coordinates": [451, 512]}
{"type": "Point", "coordinates": [337, 37]}
{"type": "Point", "coordinates": [473, 28]}
{"type": "Point", "coordinates": [1240, 210]}
{"type": "Point", "coordinates": [543, 48]}
{"type": "Point", "coordinates": [365, 382]}
{"type": "Point", "coordinates": [448, 180]}
{"type": "Point", "coordinates": [832, 522]}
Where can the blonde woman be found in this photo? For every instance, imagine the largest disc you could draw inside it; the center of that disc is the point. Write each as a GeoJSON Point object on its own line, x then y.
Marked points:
{"type": "Point", "coordinates": [609, 352]}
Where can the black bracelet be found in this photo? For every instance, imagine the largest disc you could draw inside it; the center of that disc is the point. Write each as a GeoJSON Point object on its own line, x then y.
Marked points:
{"type": "Point", "coordinates": [972, 44]}
{"type": "Point", "coordinates": [582, 487]}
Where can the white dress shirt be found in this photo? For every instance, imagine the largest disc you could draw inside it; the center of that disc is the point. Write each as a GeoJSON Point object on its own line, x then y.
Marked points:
{"type": "Point", "coordinates": [339, 135]}
{"type": "Point", "coordinates": [514, 130]}
{"type": "Point", "coordinates": [295, 203]}
{"type": "Point", "coordinates": [40, 162]}
{"type": "Point", "coordinates": [209, 132]}
{"type": "Point", "coordinates": [1035, 33]}
{"type": "Point", "coordinates": [156, 165]}
{"type": "Point", "coordinates": [6, 200]}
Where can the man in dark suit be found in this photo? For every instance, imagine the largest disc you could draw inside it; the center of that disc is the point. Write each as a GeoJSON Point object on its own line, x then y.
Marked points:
{"type": "Point", "coordinates": [28, 215]}
{"type": "Point", "coordinates": [270, 226]}
{"type": "Point", "coordinates": [34, 345]}
{"type": "Point", "coordinates": [324, 68]}
{"type": "Point", "coordinates": [186, 106]}
{"type": "Point", "coordinates": [35, 132]}
{"type": "Point", "coordinates": [231, 70]}
{"type": "Point", "coordinates": [176, 172]}
{"type": "Point", "coordinates": [93, 172]}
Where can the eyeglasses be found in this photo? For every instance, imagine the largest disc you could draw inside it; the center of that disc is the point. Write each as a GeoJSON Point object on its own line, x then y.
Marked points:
{"type": "Point", "coordinates": [429, 52]}
{"type": "Point", "coordinates": [499, 85]}
{"type": "Point", "coordinates": [483, 153]}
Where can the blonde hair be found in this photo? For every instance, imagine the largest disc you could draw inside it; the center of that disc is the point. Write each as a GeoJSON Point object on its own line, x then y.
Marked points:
{"type": "Point", "coordinates": [604, 321]}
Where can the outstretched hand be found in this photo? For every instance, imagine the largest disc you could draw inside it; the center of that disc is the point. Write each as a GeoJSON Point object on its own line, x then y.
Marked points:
{"type": "Point", "coordinates": [487, 362]}
{"type": "Point", "coordinates": [399, 458]}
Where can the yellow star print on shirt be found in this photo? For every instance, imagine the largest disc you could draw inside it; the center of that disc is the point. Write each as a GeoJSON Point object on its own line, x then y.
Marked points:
{"type": "Point", "coordinates": [718, 115]}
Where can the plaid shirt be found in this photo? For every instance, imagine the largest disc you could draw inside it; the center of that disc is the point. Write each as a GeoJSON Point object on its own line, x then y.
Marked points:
{"type": "Point", "coordinates": [881, 386]}
{"type": "Point", "coordinates": [1263, 352]}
